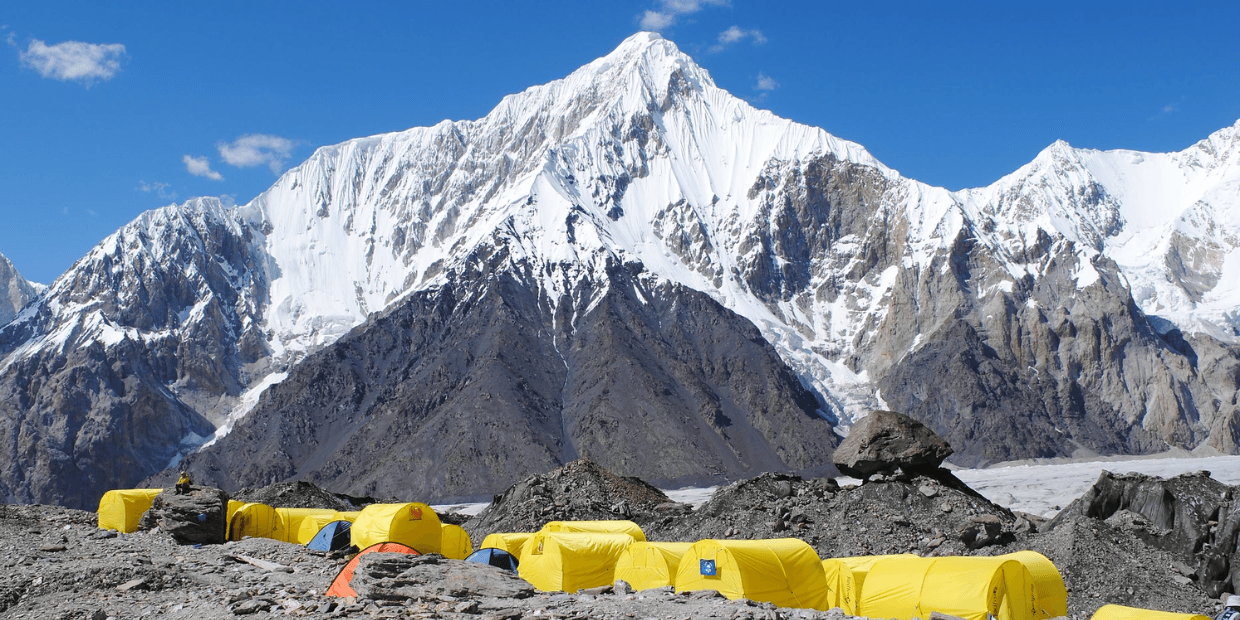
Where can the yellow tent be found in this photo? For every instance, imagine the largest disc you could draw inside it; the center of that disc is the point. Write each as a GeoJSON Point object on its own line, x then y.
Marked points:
{"type": "Point", "coordinates": [567, 562]}
{"type": "Point", "coordinates": [121, 509]}
{"type": "Point", "coordinates": [454, 542]}
{"type": "Point", "coordinates": [646, 565]}
{"type": "Point", "coordinates": [289, 523]}
{"type": "Point", "coordinates": [1048, 588]}
{"type": "Point", "coordinates": [1119, 612]}
{"type": "Point", "coordinates": [253, 519]}
{"type": "Point", "coordinates": [597, 527]}
{"type": "Point", "coordinates": [973, 588]}
{"type": "Point", "coordinates": [510, 542]}
{"type": "Point", "coordinates": [413, 524]}
{"type": "Point", "coordinates": [346, 516]}
{"type": "Point", "coordinates": [233, 506]}
{"type": "Point", "coordinates": [783, 571]}
{"type": "Point", "coordinates": [846, 576]}
{"type": "Point", "coordinates": [312, 523]}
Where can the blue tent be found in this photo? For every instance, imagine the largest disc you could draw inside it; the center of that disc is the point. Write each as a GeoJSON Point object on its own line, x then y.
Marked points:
{"type": "Point", "coordinates": [331, 537]}
{"type": "Point", "coordinates": [494, 557]}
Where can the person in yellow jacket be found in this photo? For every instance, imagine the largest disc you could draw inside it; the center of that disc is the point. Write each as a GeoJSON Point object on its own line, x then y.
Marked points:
{"type": "Point", "coordinates": [183, 484]}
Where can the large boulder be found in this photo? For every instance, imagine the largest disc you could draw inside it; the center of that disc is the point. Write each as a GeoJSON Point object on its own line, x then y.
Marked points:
{"type": "Point", "coordinates": [885, 441]}
{"type": "Point", "coordinates": [200, 516]}
{"type": "Point", "coordinates": [401, 576]}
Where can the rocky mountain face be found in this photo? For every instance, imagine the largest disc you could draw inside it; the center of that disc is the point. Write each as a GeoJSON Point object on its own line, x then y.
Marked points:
{"type": "Point", "coordinates": [590, 261]}
{"type": "Point", "coordinates": [128, 360]}
{"type": "Point", "coordinates": [468, 386]}
{"type": "Point", "coordinates": [15, 291]}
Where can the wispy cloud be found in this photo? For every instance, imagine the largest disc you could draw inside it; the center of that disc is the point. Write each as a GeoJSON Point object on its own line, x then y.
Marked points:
{"type": "Point", "coordinates": [736, 34]}
{"type": "Point", "coordinates": [1166, 110]}
{"type": "Point", "coordinates": [766, 83]}
{"type": "Point", "coordinates": [669, 10]}
{"type": "Point", "coordinates": [257, 149]}
{"type": "Point", "coordinates": [163, 190]}
{"type": "Point", "coordinates": [10, 37]}
{"type": "Point", "coordinates": [73, 61]}
{"type": "Point", "coordinates": [201, 167]}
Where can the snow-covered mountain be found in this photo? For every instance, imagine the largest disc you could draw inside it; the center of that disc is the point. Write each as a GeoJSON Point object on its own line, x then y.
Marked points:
{"type": "Point", "coordinates": [1085, 302]}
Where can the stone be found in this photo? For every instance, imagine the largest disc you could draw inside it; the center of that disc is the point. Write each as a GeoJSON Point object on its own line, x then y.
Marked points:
{"type": "Point", "coordinates": [981, 531]}
{"type": "Point", "coordinates": [129, 585]}
{"type": "Point", "coordinates": [399, 576]}
{"type": "Point", "coordinates": [197, 517]}
{"type": "Point", "coordinates": [884, 441]}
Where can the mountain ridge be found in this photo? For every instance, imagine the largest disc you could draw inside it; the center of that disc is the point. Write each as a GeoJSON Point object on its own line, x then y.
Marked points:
{"type": "Point", "coordinates": [847, 269]}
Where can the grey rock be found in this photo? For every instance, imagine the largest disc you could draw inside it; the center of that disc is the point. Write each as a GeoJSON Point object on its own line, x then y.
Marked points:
{"type": "Point", "coordinates": [15, 291]}
{"type": "Point", "coordinates": [199, 516]}
{"type": "Point", "coordinates": [398, 576]}
{"type": "Point", "coordinates": [884, 441]}
{"type": "Point", "coordinates": [981, 531]}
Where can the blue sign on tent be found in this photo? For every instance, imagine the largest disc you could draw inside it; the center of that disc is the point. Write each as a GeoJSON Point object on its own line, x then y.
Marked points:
{"type": "Point", "coordinates": [707, 567]}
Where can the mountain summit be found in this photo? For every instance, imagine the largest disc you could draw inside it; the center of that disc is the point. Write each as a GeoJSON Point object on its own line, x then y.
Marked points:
{"type": "Point", "coordinates": [633, 265]}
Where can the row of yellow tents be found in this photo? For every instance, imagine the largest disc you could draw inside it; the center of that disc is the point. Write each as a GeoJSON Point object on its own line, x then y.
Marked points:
{"type": "Point", "coordinates": [574, 555]}
{"type": "Point", "coordinates": [570, 556]}
{"type": "Point", "coordinates": [414, 524]}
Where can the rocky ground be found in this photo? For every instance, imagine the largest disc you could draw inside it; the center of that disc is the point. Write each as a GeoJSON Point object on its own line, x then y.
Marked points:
{"type": "Point", "coordinates": [59, 565]}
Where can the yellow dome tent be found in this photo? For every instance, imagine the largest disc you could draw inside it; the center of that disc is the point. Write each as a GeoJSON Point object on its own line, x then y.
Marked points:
{"type": "Point", "coordinates": [1048, 587]}
{"type": "Point", "coordinates": [846, 576]}
{"type": "Point", "coordinates": [312, 523]}
{"type": "Point", "coordinates": [121, 509]}
{"type": "Point", "coordinates": [784, 571]}
{"type": "Point", "coordinates": [646, 565]}
{"type": "Point", "coordinates": [253, 519]}
{"type": "Point", "coordinates": [973, 588]}
{"type": "Point", "coordinates": [233, 506]}
{"type": "Point", "coordinates": [454, 542]}
{"type": "Point", "coordinates": [568, 562]}
{"type": "Point", "coordinates": [508, 541]}
{"type": "Point", "coordinates": [1119, 612]}
{"type": "Point", "coordinates": [289, 521]}
{"type": "Point", "coordinates": [598, 527]}
{"type": "Point", "coordinates": [414, 524]}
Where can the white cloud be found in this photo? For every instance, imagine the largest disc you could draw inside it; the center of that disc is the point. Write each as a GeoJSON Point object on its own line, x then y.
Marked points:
{"type": "Point", "coordinates": [163, 190]}
{"type": "Point", "coordinates": [669, 10]}
{"type": "Point", "coordinates": [736, 34]}
{"type": "Point", "coordinates": [766, 82]}
{"type": "Point", "coordinates": [200, 167]}
{"type": "Point", "coordinates": [74, 60]}
{"type": "Point", "coordinates": [656, 21]}
{"type": "Point", "coordinates": [256, 149]}
{"type": "Point", "coordinates": [10, 37]}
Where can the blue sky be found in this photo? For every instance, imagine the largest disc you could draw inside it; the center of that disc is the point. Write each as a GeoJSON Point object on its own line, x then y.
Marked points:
{"type": "Point", "coordinates": [953, 94]}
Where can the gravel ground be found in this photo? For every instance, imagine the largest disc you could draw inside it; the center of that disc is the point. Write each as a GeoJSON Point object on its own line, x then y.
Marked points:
{"type": "Point", "coordinates": [59, 565]}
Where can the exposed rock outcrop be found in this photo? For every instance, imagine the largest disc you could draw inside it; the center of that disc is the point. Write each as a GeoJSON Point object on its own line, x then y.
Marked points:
{"type": "Point", "coordinates": [886, 441]}
{"type": "Point", "coordinates": [197, 517]}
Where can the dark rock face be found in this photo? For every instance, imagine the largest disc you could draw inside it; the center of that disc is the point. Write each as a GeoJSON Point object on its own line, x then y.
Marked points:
{"type": "Point", "coordinates": [467, 388]}
{"type": "Point", "coordinates": [885, 441]}
{"type": "Point", "coordinates": [176, 292]}
{"type": "Point", "coordinates": [1193, 517]}
{"type": "Point", "coordinates": [200, 516]}
{"type": "Point", "coordinates": [15, 291]}
{"type": "Point", "coordinates": [401, 576]}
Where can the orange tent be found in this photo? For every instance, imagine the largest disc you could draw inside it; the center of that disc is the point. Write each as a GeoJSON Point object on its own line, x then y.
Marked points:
{"type": "Point", "coordinates": [340, 585]}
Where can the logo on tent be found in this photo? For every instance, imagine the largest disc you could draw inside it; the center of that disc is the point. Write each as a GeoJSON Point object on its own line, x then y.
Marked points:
{"type": "Point", "coordinates": [415, 512]}
{"type": "Point", "coordinates": [707, 568]}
